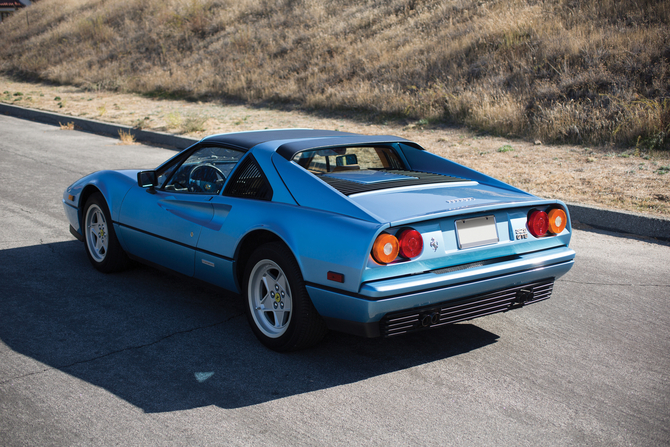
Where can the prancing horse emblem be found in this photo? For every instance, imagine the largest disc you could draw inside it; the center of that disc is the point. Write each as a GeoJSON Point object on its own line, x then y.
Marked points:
{"type": "Point", "coordinates": [433, 243]}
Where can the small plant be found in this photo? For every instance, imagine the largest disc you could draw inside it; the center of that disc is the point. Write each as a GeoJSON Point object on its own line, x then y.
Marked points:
{"type": "Point", "coordinates": [194, 124]}
{"type": "Point", "coordinates": [140, 123]}
{"type": "Point", "coordinates": [173, 120]}
{"type": "Point", "coordinates": [61, 104]}
{"type": "Point", "coordinates": [126, 137]}
{"type": "Point", "coordinates": [102, 110]}
{"type": "Point", "coordinates": [57, 98]}
{"type": "Point", "coordinates": [241, 121]}
{"type": "Point", "coordinates": [67, 126]}
{"type": "Point", "coordinates": [663, 170]}
{"type": "Point", "coordinates": [505, 148]}
{"type": "Point", "coordinates": [18, 94]}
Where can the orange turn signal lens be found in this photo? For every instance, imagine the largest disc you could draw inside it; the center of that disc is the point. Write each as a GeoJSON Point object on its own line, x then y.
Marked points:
{"type": "Point", "coordinates": [385, 249]}
{"type": "Point", "coordinates": [557, 220]}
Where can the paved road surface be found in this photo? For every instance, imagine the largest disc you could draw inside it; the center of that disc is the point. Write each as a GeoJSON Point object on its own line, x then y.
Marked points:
{"type": "Point", "coordinates": [147, 358]}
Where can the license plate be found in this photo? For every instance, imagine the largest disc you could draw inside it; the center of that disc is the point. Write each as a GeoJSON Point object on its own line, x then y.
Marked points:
{"type": "Point", "coordinates": [476, 232]}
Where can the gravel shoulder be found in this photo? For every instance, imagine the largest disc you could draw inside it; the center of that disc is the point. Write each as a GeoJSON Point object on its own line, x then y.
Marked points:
{"type": "Point", "coordinates": [613, 178]}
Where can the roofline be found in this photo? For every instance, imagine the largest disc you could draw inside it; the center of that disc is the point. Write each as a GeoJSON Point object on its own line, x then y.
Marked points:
{"type": "Point", "coordinates": [248, 139]}
{"type": "Point", "coordinates": [288, 150]}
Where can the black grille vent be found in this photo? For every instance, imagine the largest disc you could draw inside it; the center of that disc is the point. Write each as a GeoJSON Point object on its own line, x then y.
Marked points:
{"type": "Point", "coordinates": [347, 187]}
{"type": "Point", "coordinates": [464, 309]}
{"type": "Point", "coordinates": [249, 182]}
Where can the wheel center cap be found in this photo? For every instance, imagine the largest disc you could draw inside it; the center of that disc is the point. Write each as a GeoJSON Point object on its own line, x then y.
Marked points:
{"type": "Point", "coordinates": [277, 297]}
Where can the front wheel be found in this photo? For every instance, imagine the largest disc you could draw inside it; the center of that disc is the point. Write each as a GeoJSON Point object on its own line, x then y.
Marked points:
{"type": "Point", "coordinates": [102, 246]}
{"type": "Point", "coordinates": [277, 305]}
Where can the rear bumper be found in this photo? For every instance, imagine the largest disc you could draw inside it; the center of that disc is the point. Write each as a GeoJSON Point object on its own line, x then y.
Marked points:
{"type": "Point", "coordinates": [361, 314]}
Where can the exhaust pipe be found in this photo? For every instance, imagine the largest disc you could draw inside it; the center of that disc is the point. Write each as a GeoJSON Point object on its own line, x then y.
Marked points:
{"type": "Point", "coordinates": [428, 319]}
{"type": "Point", "coordinates": [522, 297]}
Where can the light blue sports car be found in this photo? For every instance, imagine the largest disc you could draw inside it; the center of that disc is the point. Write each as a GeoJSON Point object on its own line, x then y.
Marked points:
{"type": "Point", "coordinates": [318, 230]}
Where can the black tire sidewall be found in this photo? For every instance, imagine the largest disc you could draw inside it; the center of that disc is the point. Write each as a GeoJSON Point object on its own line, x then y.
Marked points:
{"type": "Point", "coordinates": [115, 258]}
{"type": "Point", "coordinates": [303, 311]}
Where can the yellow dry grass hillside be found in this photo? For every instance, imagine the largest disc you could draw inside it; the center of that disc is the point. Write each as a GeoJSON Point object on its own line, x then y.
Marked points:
{"type": "Point", "coordinates": [565, 71]}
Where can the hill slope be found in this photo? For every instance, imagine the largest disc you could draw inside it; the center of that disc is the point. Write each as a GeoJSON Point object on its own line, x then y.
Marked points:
{"type": "Point", "coordinates": [561, 71]}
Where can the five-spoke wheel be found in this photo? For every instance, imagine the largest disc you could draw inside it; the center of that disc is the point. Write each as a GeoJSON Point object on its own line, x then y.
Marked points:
{"type": "Point", "coordinates": [102, 246]}
{"type": "Point", "coordinates": [278, 308]}
{"type": "Point", "coordinates": [270, 298]}
{"type": "Point", "coordinates": [97, 236]}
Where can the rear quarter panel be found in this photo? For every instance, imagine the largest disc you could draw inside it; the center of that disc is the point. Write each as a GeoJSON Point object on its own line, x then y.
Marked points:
{"type": "Point", "coordinates": [320, 241]}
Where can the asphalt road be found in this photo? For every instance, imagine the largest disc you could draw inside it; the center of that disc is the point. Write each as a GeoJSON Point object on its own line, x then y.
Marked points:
{"type": "Point", "coordinates": [144, 357]}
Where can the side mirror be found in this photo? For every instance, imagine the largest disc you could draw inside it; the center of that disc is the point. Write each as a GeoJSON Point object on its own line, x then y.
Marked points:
{"type": "Point", "coordinates": [147, 179]}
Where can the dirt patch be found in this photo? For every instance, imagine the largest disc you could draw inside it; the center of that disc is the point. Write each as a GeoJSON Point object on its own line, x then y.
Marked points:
{"type": "Point", "coordinates": [601, 176]}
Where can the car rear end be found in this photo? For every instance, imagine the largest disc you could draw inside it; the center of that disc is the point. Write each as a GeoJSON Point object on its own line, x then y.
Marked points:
{"type": "Point", "coordinates": [453, 267]}
{"type": "Point", "coordinates": [452, 244]}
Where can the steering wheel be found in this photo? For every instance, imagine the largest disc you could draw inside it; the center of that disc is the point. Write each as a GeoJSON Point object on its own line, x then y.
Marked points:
{"type": "Point", "coordinates": [206, 178]}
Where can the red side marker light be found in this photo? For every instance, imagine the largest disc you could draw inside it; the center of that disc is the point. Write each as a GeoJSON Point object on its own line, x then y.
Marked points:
{"type": "Point", "coordinates": [538, 223]}
{"type": "Point", "coordinates": [337, 277]}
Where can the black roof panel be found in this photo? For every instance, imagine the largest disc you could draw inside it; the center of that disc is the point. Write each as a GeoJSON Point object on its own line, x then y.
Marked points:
{"type": "Point", "coordinates": [247, 140]}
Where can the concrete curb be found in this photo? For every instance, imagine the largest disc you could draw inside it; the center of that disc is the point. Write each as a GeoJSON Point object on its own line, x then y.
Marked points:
{"type": "Point", "coordinates": [98, 127]}
{"type": "Point", "coordinates": [604, 219]}
{"type": "Point", "coordinates": [621, 221]}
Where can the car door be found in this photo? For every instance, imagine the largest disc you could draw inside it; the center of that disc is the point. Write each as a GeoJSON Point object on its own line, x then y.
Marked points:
{"type": "Point", "coordinates": [238, 209]}
{"type": "Point", "coordinates": [162, 225]}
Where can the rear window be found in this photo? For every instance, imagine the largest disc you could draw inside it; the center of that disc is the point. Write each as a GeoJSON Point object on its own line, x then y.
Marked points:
{"type": "Point", "coordinates": [340, 159]}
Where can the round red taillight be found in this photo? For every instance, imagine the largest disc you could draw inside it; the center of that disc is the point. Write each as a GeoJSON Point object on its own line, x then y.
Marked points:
{"type": "Point", "coordinates": [411, 243]}
{"type": "Point", "coordinates": [385, 249]}
{"type": "Point", "coordinates": [538, 223]}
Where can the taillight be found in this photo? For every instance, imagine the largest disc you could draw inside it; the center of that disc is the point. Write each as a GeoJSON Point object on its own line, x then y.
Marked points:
{"type": "Point", "coordinates": [411, 243]}
{"type": "Point", "coordinates": [538, 223]}
{"type": "Point", "coordinates": [386, 248]}
{"type": "Point", "coordinates": [557, 220]}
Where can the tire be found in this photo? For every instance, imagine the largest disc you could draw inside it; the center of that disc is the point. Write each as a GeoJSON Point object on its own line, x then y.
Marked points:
{"type": "Point", "coordinates": [102, 246]}
{"type": "Point", "coordinates": [277, 305]}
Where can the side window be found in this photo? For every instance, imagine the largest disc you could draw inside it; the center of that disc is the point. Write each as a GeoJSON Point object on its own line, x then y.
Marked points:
{"type": "Point", "coordinates": [203, 172]}
{"type": "Point", "coordinates": [249, 182]}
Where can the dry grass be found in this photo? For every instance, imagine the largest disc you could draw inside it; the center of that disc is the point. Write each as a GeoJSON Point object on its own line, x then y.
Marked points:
{"type": "Point", "coordinates": [629, 180]}
{"type": "Point", "coordinates": [564, 71]}
{"type": "Point", "coordinates": [67, 126]}
{"type": "Point", "coordinates": [126, 137]}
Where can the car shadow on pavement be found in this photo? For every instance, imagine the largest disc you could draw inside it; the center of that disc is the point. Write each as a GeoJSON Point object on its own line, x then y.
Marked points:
{"type": "Point", "coordinates": [165, 343]}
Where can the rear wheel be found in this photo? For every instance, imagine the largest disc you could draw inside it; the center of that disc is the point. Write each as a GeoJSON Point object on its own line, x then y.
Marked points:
{"type": "Point", "coordinates": [278, 308]}
{"type": "Point", "coordinates": [102, 246]}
